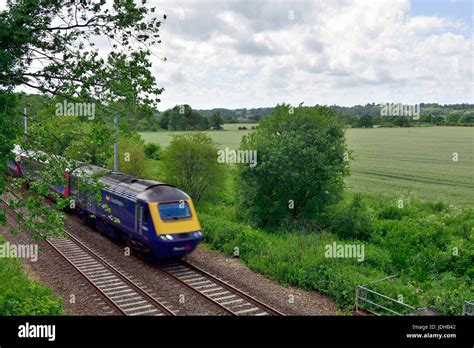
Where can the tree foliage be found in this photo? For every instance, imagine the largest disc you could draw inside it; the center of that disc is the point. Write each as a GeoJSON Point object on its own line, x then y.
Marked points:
{"type": "Point", "coordinates": [216, 121]}
{"type": "Point", "coordinates": [131, 158]}
{"type": "Point", "coordinates": [183, 118]}
{"type": "Point", "coordinates": [49, 46]}
{"type": "Point", "coordinates": [190, 163]}
{"type": "Point", "coordinates": [59, 37]}
{"type": "Point", "coordinates": [301, 166]}
{"type": "Point", "coordinates": [153, 151]}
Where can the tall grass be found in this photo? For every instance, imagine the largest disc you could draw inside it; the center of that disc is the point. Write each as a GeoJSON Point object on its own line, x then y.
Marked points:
{"type": "Point", "coordinates": [430, 246]}
{"type": "Point", "coordinates": [19, 295]}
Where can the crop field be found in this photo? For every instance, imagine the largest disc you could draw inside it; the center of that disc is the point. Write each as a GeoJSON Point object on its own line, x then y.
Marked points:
{"type": "Point", "coordinates": [398, 161]}
{"type": "Point", "coordinates": [420, 161]}
{"type": "Point", "coordinates": [230, 136]}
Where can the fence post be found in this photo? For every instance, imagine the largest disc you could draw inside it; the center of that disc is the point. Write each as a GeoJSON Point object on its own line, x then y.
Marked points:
{"type": "Point", "coordinates": [357, 299]}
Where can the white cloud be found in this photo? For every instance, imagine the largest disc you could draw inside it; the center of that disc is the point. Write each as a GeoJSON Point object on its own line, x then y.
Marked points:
{"type": "Point", "coordinates": [259, 53]}
{"type": "Point", "coordinates": [244, 53]}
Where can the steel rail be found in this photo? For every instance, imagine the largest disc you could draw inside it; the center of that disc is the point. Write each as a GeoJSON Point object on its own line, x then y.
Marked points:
{"type": "Point", "coordinates": [114, 271]}
{"type": "Point", "coordinates": [216, 281]}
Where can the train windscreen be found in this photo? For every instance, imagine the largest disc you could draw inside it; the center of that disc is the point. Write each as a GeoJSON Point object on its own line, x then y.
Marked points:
{"type": "Point", "coordinates": [174, 211]}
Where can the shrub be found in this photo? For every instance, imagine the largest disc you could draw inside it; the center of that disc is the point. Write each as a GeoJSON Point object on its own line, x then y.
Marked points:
{"type": "Point", "coordinates": [352, 221]}
{"type": "Point", "coordinates": [391, 213]}
{"type": "Point", "coordinates": [131, 158]}
{"type": "Point", "coordinates": [190, 163]}
{"type": "Point", "coordinates": [153, 151]}
{"type": "Point", "coordinates": [438, 206]}
{"type": "Point", "coordinates": [418, 247]}
{"type": "Point", "coordinates": [22, 296]}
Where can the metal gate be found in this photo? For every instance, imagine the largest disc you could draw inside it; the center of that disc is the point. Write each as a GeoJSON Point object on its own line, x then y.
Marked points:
{"type": "Point", "coordinates": [372, 302]}
{"type": "Point", "coordinates": [468, 308]}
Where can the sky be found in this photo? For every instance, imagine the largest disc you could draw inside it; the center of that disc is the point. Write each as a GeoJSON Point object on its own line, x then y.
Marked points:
{"type": "Point", "coordinates": [257, 53]}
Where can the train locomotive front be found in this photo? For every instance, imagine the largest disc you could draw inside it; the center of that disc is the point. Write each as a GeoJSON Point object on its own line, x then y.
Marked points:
{"type": "Point", "coordinates": [171, 221]}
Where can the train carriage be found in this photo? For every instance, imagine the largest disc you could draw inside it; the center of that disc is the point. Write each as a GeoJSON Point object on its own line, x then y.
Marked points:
{"type": "Point", "coordinates": [151, 216]}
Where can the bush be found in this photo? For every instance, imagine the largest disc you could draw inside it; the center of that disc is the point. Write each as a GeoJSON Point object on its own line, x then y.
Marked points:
{"type": "Point", "coordinates": [438, 206]}
{"type": "Point", "coordinates": [190, 163]}
{"type": "Point", "coordinates": [22, 296]}
{"type": "Point", "coordinates": [131, 158]}
{"type": "Point", "coordinates": [387, 125]}
{"type": "Point", "coordinates": [352, 221]}
{"type": "Point", "coordinates": [153, 151]}
{"type": "Point", "coordinates": [300, 167]}
{"type": "Point", "coordinates": [419, 247]}
{"type": "Point", "coordinates": [391, 213]}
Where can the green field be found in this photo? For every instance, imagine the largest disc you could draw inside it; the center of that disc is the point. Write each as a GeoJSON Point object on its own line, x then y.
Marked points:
{"type": "Point", "coordinates": [397, 161]}
{"type": "Point", "coordinates": [403, 161]}
{"type": "Point", "coordinates": [230, 136]}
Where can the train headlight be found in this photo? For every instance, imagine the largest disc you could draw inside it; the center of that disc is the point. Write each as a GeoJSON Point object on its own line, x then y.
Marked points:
{"type": "Point", "coordinates": [162, 237]}
{"type": "Point", "coordinates": [169, 237]}
{"type": "Point", "coordinates": [198, 234]}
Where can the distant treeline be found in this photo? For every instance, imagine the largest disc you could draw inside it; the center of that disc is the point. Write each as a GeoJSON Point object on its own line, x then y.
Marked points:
{"type": "Point", "coordinates": [435, 114]}
{"type": "Point", "coordinates": [239, 115]}
{"type": "Point", "coordinates": [184, 117]}
{"type": "Point", "coordinates": [369, 115]}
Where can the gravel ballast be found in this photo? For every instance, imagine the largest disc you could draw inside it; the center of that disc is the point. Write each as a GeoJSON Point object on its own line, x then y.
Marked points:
{"type": "Point", "coordinates": [55, 272]}
{"type": "Point", "coordinates": [289, 300]}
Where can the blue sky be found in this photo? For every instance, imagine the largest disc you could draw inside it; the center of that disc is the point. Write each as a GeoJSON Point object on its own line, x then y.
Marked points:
{"type": "Point", "coordinates": [255, 53]}
{"type": "Point", "coordinates": [456, 9]}
{"type": "Point", "coordinates": [249, 53]}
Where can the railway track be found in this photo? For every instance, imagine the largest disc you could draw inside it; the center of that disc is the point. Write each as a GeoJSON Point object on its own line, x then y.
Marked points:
{"type": "Point", "coordinates": [128, 298]}
{"type": "Point", "coordinates": [125, 296]}
{"type": "Point", "coordinates": [222, 294]}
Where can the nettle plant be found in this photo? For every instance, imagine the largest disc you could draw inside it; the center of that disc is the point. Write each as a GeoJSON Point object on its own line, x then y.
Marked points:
{"type": "Point", "coordinates": [50, 46]}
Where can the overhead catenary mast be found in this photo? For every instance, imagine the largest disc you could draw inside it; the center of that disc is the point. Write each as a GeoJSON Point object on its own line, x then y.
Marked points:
{"type": "Point", "coordinates": [25, 123]}
{"type": "Point", "coordinates": [116, 142]}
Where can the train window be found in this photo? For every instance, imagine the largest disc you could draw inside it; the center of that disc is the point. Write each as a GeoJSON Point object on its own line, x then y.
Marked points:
{"type": "Point", "coordinates": [145, 215]}
{"type": "Point", "coordinates": [174, 211]}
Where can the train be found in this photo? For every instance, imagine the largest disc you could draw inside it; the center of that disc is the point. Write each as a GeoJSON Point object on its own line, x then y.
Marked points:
{"type": "Point", "coordinates": [155, 218]}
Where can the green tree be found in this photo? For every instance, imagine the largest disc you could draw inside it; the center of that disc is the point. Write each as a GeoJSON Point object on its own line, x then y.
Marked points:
{"type": "Point", "coordinates": [467, 119]}
{"type": "Point", "coordinates": [9, 129]}
{"type": "Point", "coordinates": [301, 165]}
{"type": "Point", "coordinates": [216, 121]}
{"type": "Point", "coordinates": [47, 45]}
{"type": "Point", "coordinates": [57, 34]}
{"type": "Point", "coordinates": [425, 118]}
{"type": "Point", "coordinates": [164, 119]}
{"type": "Point", "coordinates": [453, 117]}
{"type": "Point", "coordinates": [365, 121]}
{"type": "Point", "coordinates": [190, 163]}
{"type": "Point", "coordinates": [132, 159]}
{"type": "Point", "coordinates": [95, 144]}
{"type": "Point", "coordinates": [402, 121]}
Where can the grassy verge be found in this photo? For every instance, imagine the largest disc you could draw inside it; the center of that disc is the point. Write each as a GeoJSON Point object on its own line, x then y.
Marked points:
{"type": "Point", "coordinates": [430, 247]}
{"type": "Point", "coordinates": [20, 295]}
